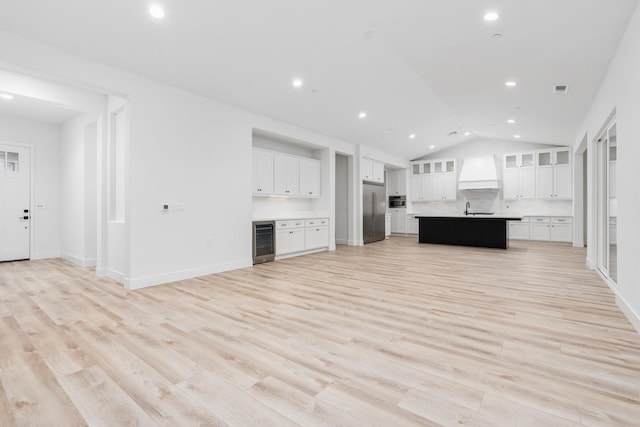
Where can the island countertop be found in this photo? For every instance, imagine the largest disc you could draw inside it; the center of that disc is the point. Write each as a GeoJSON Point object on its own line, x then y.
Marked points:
{"type": "Point", "coordinates": [472, 216]}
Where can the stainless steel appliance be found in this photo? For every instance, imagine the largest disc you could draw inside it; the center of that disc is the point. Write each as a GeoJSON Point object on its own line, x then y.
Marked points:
{"type": "Point", "coordinates": [397, 202]}
{"type": "Point", "coordinates": [264, 241]}
{"type": "Point", "coordinates": [373, 209]}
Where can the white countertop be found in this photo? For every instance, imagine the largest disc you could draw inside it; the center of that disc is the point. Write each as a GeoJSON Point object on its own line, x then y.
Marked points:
{"type": "Point", "coordinates": [297, 215]}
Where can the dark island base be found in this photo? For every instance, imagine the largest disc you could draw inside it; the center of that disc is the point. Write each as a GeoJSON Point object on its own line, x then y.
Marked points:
{"type": "Point", "coordinates": [466, 231]}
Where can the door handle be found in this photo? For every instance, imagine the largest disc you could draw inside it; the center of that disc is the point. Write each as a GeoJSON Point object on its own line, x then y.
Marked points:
{"type": "Point", "coordinates": [23, 217]}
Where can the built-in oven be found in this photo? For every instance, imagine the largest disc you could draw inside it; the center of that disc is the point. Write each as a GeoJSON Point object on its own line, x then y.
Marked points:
{"type": "Point", "coordinates": [264, 241]}
{"type": "Point", "coordinates": [397, 202]}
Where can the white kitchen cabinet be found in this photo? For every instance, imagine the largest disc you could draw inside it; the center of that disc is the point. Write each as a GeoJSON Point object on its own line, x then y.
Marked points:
{"type": "Point", "coordinates": [540, 228]}
{"type": "Point", "coordinates": [309, 178]}
{"type": "Point", "coordinates": [438, 180]}
{"type": "Point", "coordinates": [372, 170]}
{"type": "Point", "coordinates": [561, 229]}
{"type": "Point", "coordinates": [519, 230]}
{"type": "Point", "coordinates": [519, 176]}
{"type": "Point", "coordinates": [286, 178]}
{"type": "Point", "coordinates": [416, 188]}
{"type": "Point", "coordinates": [316, 237]}
{"type": "Point", "coordinates": [387, 225]}
{"type": "Point", "coordinates": [290, 237]}
{"type": "Point", "coordinates": [412, 224]}
{"type": "Point", "coordinates": [422, 182]}
{"type": "Point", "coordinates": [398, 221]}
{"type": "Point", "coordinates": [444, 186]}
{"type": "Point", "coordinates": [396, 183]}
{"type": "Point", "coordinates": [262, 173]}
{"type": "Point", "coordinates": [553, 173]}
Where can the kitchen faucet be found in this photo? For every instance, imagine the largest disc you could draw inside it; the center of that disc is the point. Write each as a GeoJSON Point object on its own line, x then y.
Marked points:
{"type": "Point", "coordinates": [466, 208]}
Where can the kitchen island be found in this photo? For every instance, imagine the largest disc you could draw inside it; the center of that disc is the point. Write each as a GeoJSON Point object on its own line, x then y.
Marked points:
{"type": "Point", "coordinates": [487, 231]}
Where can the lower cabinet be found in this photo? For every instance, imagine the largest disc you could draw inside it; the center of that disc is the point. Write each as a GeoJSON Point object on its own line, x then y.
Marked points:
{"type": "Point", "coordinates": [412, 224]}
{"type": "Point", "coordinates": [398, 221]}
{"type": "Point", "coordinates": [543, 228]}
{"type": "Point", "coordinates": [299, 236]}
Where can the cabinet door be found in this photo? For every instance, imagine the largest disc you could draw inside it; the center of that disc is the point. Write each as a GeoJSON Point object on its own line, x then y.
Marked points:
{"type": "Point", "coordinates": [416, 188]}
{"type": "Point", "coordinates": [562, 182]}
{"type": "Point", "coordinates": [401, 221]}
{"type": "Point", "coordinates": [289, 241]}
{"type": "Point", "coordinates": [518, 230]}
{"type": "Point", "coordinates": [367, 169]}
{"type": "Point", "coordinates": [544, 183]}
{"type": "Point", "coordinates": [262, 172]}
{"type": "Point", "coordinates": [427, 187]}
{"type": "Point", "coordinates": [540, 232]}
{"type": "Point", "coordinates": [450, 186]}
{"type": "Point", "coordinates": [511, 188]}
{"type": "Point", "coordinates": [562, 156]}
{"type": "Point", "coordinates": [438, 186]}
{"type": "Point", "coordinates": [401, 182]}
{"type": "Point", "coordinates": [544, 158]}
{"type": "Point", "coordinates": [526, 160]}
{"type": "Point", "coordinates": [416, 169]}
{"type": "Point", "coordinates": [412, 226]}
{"type": "Point", "coordinates": [378, 171]}
{"type": "Point", "coordinates": [511, 161]}
{"type": "Point", "coordinates": [392, 184]}
{"type": "Point", "coordinates": [527, 183]}
{"type": "Point", "coordinates": [286, 176]}
{"type": "Point", "coordinates": [309, 178]}
{"type": "Point", "coordinates": [562, 232]}
{"type": "Point", "coordinates": [316, 237]}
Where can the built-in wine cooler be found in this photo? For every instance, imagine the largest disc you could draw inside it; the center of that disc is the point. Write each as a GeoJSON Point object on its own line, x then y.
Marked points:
{"type": "Point", "coordinates": [264, 241]}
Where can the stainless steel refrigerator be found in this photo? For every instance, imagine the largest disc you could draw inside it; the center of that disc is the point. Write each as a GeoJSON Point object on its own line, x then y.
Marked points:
{"type": "Point", "coordinates": [374, 207]}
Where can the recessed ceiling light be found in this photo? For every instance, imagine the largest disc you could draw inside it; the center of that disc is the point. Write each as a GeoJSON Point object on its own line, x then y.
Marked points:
{"type": "Point", "coordinates": [297, 83]}
{"type": "Point", "coordinates": [510, 83]}
{"type": "Point", "coordinates": [6, 96]}
{"type": "Point", "coordinates": [467, 133]}
{"type": "Point", "coordinates": [491, 16]}
{"type": "Point", "coordinates": [412, 136]}
{"type": "Point", "coordinates": [496, 35]}
{"type": "Point", "coordinates": [516, 136]}
{"type": "Point", "coordinates": [362, 115]}
{"type": "Point", "coordinates": [431, 147]}
{"type": "Point", "coordinates": [156, 11]}
{"type": "Point", "coordinates": [368, 34]}
{"type": "Point", "coordinates": [511, 121]}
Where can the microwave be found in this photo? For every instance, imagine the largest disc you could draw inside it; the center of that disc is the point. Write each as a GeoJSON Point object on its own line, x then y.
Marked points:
{"type": "Point", "coordinates": [397, 202]}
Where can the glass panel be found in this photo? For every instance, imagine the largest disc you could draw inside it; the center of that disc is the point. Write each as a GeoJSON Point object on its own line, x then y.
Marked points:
{"type": "Point", "coordinates": [527, 160]}
{"type": "Point", "coordinates": [562, 157]}
{"type": "Point", "coordinates": [415, 169]}
{"type": "Point", "coordinates": [613, 209]}
{"type": "Point", "coordinates": [510, 161]}
{"type": "Point", "coordinates": [12, 162]}
{"type": "Point", "coordinates": [613, 153]}
{"type": "Point", "coordinates": [450, 166]}
{"type": "Point", "coordinates": [426, 168]}
{"type": "Point", "coordinates": [264, 239]}
{"type": "Point", "coordinates": [437, 166]}
{"type": "Point", "coordinates": [544, 158]}
{"type": "Point", "coordinates": [2, 159]}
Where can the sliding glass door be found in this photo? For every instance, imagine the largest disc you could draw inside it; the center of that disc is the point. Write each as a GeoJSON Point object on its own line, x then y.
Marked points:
{"type": "Point", "coordinates": [607, 206]}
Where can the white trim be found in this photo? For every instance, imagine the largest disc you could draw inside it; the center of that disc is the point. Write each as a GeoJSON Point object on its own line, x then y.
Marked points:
{"type": "Point", "coordinates": [82, 262]}
{"type": "Point", "coordinates": [112, 274]}
{"type": "Point", "coordinates": [45, 255]}
{"type": "Point", "coordinates": [294, 254]}
{"type": "Point", "coordinates": [159, 279]}
{"type": "Point", "coordinates": [578, 244]}
{"type": "Point", "coordinates": [623, 305]}
{"type": "Point", "coordinates": [342, 241]}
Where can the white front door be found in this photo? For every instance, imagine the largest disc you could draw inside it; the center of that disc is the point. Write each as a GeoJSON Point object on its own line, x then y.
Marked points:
{"type": "Point", "coordinates": [15, 222]}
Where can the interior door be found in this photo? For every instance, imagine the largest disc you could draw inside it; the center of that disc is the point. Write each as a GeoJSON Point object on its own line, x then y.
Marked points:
{"type": "Point", "coordinates": [15, 216]}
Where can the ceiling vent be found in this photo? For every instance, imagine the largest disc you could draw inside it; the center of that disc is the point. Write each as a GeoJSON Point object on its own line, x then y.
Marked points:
{"type": "Point", "coordinates": [453, 132]}
{"type": "Point", "coordinates": [560, 89]}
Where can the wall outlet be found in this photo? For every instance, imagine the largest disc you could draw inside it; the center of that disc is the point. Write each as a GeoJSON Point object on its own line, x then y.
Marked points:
{"type": "Point", "coordinates": [40, 206]}
{"type": "Point", "coordinates": [165, 207]}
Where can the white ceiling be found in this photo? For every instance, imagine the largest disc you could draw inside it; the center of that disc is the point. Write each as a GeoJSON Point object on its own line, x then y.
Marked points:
{"type": "Point", "coordinates": [430, 66]}
{"type": "Point", "coordinates": [22, 107]}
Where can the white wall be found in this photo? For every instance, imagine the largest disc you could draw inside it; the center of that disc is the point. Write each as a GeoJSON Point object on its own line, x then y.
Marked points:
{"type": "Point", "coordinates": [342, 200]}
{"type": "Point", "coordinates": [78, 181]}
{"type": "Point", "coordinates": [45, 222]}
{"type": "Point", "coordinates": [620, 92]}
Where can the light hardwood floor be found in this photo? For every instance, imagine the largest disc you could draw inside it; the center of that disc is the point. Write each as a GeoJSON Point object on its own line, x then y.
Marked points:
{"type": "Point", "coordinates": [390, 334]}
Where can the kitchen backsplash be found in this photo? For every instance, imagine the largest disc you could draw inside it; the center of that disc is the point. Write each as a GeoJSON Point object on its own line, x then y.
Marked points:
{"type": "Point", "coordinates": [490, 201]}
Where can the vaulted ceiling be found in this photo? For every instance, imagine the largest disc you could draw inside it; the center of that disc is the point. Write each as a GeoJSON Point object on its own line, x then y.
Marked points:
{"type": "Point", "coordinates": [422, 67]}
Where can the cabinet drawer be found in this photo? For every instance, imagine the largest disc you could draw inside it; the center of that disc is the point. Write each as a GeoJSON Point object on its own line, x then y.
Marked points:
{"type": "Point", "coordinates": [316, 222]}
{"type": "Point", "coordinates": [561, 220]}
{"type": "Point", "coordinates": [539, 220]}
{"type": "Point", "coordinates": [524, 219]}
{"type": "Point", "coordinates": [290, 224]}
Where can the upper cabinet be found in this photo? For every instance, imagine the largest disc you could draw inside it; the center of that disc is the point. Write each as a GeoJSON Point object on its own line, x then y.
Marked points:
{"type": "Point", "coordinates": [553, 175]}
{"type": "Point", "coordinates": [372, 170]}
{"type": "Point", "coordinates": [519, 176]}
{"type": "Point", "coordinates": [262, 172]}
{"type": "Point", "coordinates": [285, 175]}
{"type": "Point", "coordinates": [433, 180]}
{"type": "Point", "coordinates": [397, 182]}
{"type": "Point", "coordinates": [541, 174]}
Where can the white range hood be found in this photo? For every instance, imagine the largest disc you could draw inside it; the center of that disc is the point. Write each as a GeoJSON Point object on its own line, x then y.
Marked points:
{"type": "Point", "coordinates": [479, 174]}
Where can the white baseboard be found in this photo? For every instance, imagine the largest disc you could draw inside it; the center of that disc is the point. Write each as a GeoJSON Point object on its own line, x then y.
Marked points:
{"type": "Point", "coordinates": [312, 251]}
{"type": "Point", "coordinates": [82, 262]}
{"type": "Point", "coordinates": [342, 241]}
{"type": "Point", "coordinates": [44, 255]}
{"type": "Point", "coordinates": [578, 244]}
{"type": "Point", "coordinates": [111, 274]}
{"type": "Point", "coordinates": [628, 311]}
{"type": "Point", "coordinates": [174, 276]}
